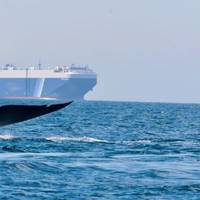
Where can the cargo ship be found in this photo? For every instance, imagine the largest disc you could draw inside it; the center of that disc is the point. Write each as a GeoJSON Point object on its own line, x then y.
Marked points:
{"type": "Point", "coordinates": [61, 82]}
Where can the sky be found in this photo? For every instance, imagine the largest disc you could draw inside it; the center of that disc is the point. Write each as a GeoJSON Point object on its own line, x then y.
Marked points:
{"type": "Point", "coordinates": [142, 50]}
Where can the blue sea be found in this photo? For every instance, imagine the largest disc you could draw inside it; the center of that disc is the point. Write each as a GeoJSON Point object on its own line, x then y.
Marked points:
{"type": "Point", "coordinates": [104, 150]}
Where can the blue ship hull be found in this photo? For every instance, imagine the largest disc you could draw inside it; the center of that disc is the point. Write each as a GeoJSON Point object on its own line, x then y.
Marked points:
{"type": "Point", "coordinates": [59, 88]}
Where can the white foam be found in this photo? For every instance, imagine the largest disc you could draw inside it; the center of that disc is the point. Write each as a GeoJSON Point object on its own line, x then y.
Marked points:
{"type": "Point", "coordinates": [6, 137]}
{"type": "Point", "coordinates": [55, 138]}
{"type": "Point", "coordinates": [75, 139]}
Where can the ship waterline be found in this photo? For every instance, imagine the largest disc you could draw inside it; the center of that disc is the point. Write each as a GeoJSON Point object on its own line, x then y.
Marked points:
{"type": "Point", "coordinates": [71, 83]}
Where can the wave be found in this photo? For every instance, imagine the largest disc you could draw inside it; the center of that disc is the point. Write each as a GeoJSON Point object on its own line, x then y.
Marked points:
{"type": "Point", "coordinates": [75, 139]}
{"type": "Point", "coordinates": [7, 137]}
{"type": "Point", "coordinates": [56, 138]}
{"type": "Point", "coordinates": [133, 142]}
{"type": "Point", "coordinates": [95, 140]}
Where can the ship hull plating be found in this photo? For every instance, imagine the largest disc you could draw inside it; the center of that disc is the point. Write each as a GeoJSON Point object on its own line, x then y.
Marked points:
{"type": "Point", "coordinates": [59, 88]}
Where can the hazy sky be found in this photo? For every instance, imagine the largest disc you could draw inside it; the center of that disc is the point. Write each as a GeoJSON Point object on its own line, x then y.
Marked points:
{"type": "Point", "coordinates": [142, 50]}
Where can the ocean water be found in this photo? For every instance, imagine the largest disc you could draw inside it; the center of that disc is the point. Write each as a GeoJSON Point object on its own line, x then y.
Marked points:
{"type": "Point", "coordinates": [104, 150]}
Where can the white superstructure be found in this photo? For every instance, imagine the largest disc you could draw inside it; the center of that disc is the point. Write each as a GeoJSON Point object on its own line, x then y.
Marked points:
{"type": "Point", "coordinates": [60, 82]}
